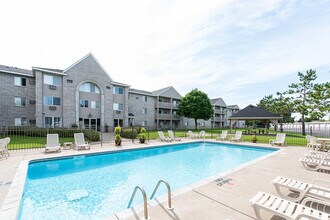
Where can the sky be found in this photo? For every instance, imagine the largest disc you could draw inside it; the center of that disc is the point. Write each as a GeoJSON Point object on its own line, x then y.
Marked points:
{"type": "Point", "coordinates": [238, 50]}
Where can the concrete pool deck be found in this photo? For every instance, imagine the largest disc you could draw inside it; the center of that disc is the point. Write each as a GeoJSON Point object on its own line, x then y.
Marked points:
{"type": "Point", "coordinates": [226, 198]}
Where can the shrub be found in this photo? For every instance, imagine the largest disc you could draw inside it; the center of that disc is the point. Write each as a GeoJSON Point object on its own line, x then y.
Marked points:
{"type": "Point", "coordinates": [128, 133]}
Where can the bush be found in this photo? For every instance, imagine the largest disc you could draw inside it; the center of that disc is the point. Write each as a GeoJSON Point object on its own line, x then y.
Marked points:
{"type": "Point", "coordinates": [127, 133]}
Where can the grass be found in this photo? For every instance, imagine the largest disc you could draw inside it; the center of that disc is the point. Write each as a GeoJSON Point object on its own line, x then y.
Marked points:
{"type": "Point", "coordinates": [23, 142]}
{"type": "Point", "coordinates": [292, 139]}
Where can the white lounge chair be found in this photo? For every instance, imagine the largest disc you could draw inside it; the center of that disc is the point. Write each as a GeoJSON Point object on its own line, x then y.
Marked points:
{"type": "Point", "coordinates": [284, 208]}
{"type": "Point", "coordinates": [191, 135]}
{"type": "Point", "coordinates": [280, 139]}
{"type": "Point", "coordinates": [321, 155]}
{"type": "Point", "coordinates": [201, 134]}
{"type": "Point", "coordinates": [172, 137]}
{"type": "Point", "coordinates": [53, 144]}
{"type": "Point", "coordinates": [8, 141]}
{"type": "Point", "coordinates": [3, 149]}
{"type": "Point", "coordinates": [315, 164]}
{"type": "Point", "coordinates": [312, 143]}
{"type": "Point", "coordinates": [80, 143]}
{"type": "Point", "coordinates": [162, 137]}
{"type": "Point", "coordinates": [222, 136]}
{"type": "Point", "coordinates": [237, 137]}
{"type": "Point", "coordinates": [302, 189]}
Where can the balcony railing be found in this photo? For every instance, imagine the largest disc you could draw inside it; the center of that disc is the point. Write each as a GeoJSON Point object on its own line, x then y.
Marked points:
{"type": "Point", "coordinates": [164, 105]}
{"type": "Point", "coordinates": [218, 111]}
{"type": "Point", "coordinates": [168, 117]}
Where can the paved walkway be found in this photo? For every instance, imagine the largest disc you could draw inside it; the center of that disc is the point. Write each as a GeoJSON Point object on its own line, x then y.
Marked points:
{"type": "Point", "coordinates": [217, 199]}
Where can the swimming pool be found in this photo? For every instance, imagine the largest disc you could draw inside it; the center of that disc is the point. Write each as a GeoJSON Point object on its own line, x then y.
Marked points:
{"type": "Point", "coordinates": [95, 186]}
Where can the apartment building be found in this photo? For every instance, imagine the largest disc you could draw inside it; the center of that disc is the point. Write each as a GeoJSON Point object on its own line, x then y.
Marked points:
{"type": "Point", "coordinates": [85, 95]}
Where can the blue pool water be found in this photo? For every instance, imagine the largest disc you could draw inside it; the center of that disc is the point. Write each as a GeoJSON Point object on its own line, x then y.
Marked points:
{"type": "Point", "coordinates": [95, 186]}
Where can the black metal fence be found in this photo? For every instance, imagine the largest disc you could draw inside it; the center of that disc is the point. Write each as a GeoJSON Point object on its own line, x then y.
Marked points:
{"type": "Point", "coordinates": [26, 137]}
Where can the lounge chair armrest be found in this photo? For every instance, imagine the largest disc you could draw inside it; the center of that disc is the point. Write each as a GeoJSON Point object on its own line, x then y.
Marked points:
{"type": "Point", "coordinates": [300, 216]}
{"type": "Point", "coordinates": [309, 199]}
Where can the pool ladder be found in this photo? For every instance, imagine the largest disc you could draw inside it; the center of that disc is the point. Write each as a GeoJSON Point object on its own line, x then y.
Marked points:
{"type": "Point", "coordinates": [145, 205]}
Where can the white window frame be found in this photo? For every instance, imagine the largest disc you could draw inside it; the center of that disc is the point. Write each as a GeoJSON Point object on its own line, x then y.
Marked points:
{"type": "Point", "coordinates": [144, 123]}
{"type": "Point", "coordinates": [21, 102]}
{"type": "Point", "coordinates": [18, 81]}
{"type": "Point", "coordinates": [84, 103]}
{"type": "Point", "coordinates": [20, 121]}
{"type": "Point", "coordinates": [52, 101]}
{"type": "Point", "coordinates": [117, 89]}
{"type": "Point", "coordinates": [144, 98]}
{"type": "Point", "coordinates": [144, 111]}
{"type": "Point", "coordinates": [95, 104]}
{"type": "Point", "coordinates": [50, 80]}
{"type": "Point", "coordinates": [55, 122]}
{"type": "Point", "coordinates": [118, 106]}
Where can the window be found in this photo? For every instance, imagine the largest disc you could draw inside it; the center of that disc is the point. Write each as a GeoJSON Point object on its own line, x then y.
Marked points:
{"type": "Point", "coordinates": [145, 98]}
{"type": "Point", "coordinates": [144, 123]}
{"type": "Point", "coordinates": [144, 111]}
{"type": "Point", "coordinates": [52, 80]}
{"type": "Point", "coordinates": [69, 81]}
{"type": "Point", "coordinates": [20, 121]}
{"type": "Point", "coordinates": [19, 81]}
{"type": "Point", "coordinates": [20, 101]}
{"type": "Point", "coordinates": [118, 90]}
{"type": "Point", "coordinates": [83, 103]}
{"type": "Point", "coordinates": [118, 106]}
{"type": "Point", "coordinates": [52, 122]}
{"type": "Point", "coordinates": [48, 100]}
{"type": "Point", "coordinates": [57, 122]}
{"type": "Point", "coordinates": [95, 104]}
{"type": "Point", "coordinates": [89, 87]}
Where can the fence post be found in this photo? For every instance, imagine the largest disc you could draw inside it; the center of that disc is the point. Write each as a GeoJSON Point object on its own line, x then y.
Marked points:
{"type": "Point", "coordinates": [148, 133]}
{"type": "Point", "coordinates": [101, 138]}
{"type": "Point", "coordinates": [311, 130]}
{"type": "Point", "coordinates": [132, 133]}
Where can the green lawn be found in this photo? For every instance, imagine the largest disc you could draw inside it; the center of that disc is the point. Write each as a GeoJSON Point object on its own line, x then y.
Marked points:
{"type": "Point", "coordinates": [292, 139]}
{"type": "Point", "coordinates": [23, 142]}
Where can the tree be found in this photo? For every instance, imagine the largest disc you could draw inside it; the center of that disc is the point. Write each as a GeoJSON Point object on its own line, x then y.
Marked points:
{"type": "Point", "coordinates": [197, 105]}
{"type": "Point", "coordinates": [309, 99]}
{"type": "Point", "coordinates": [280, 105]}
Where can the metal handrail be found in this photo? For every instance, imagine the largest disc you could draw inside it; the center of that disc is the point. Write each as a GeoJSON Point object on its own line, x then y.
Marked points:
{"type": "Point", "coordinates": [145, 206]}
{"type": "Point", "coordinates": [169, 198]}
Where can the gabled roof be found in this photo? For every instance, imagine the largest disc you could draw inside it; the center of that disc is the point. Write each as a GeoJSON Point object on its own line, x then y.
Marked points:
{"type": "Point", "coordinates": [218, 102]}
{"type": "Point", "coordinates": [48, 70]}
{"type": "Point", "coordinates": [143, 92]}
{"type": "Point", "coordinates": [254, 112]}
{"type": "Point", "coordinates": [167, 92]}
{"type": "Point", "coordinates": [233, 106]}
{"type": "Point", "coordinates": [15, 70]}
{"type": "Point", "coordinates": [85, 57]}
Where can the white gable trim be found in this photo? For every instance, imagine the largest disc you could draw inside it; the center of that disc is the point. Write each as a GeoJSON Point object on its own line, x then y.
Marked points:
{"type": "Point", "coordinates": [48, 71]}
{"type": "Point", "coordinates": [89, 54]}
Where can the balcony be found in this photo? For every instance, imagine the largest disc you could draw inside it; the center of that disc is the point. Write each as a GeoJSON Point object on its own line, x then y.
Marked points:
{"type": "Point", "coordinates": [218, 111]}
{"type": "Point", "coordinates": [176, 117]}
{"type": "Point", "coordinates": [217, 119]}
{"type": "Point", "coordinates": [164, 116]}
{"type": "Point", "coordinates": [164, 105]}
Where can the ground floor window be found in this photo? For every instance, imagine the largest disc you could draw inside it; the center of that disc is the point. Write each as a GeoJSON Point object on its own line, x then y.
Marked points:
{"type": "Point", "coordinates": [52, 122]}
{"type": "Point", "coordinates": [20, 121]}
{"type": "Point", "coordinates": [118, 122]}
{"type": "Point", "coordinates": [144, 123]}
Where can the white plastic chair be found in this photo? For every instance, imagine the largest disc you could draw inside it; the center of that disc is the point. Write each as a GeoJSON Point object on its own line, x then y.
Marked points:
{"type": "Point", "coordinates": [172, 137]}
{"type": "Point", "coordinates": [53, 144]}
{"type": "Point", "coordinates": [284, 208]}
{"type": "Point", "coordinates": [222, 136]}
{"type": "Point", "coordinates": [303, 189]}
{"type": "Point", "coordinates": [80, 143]}
{"type": "Point", "coordinates": [280, 139]}
{"type": "Point", "coordinates": [237, 137]}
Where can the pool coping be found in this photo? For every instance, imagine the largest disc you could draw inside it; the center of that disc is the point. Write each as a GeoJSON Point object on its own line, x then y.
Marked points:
{"type": "Point", "coordinates": [12, 202]}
